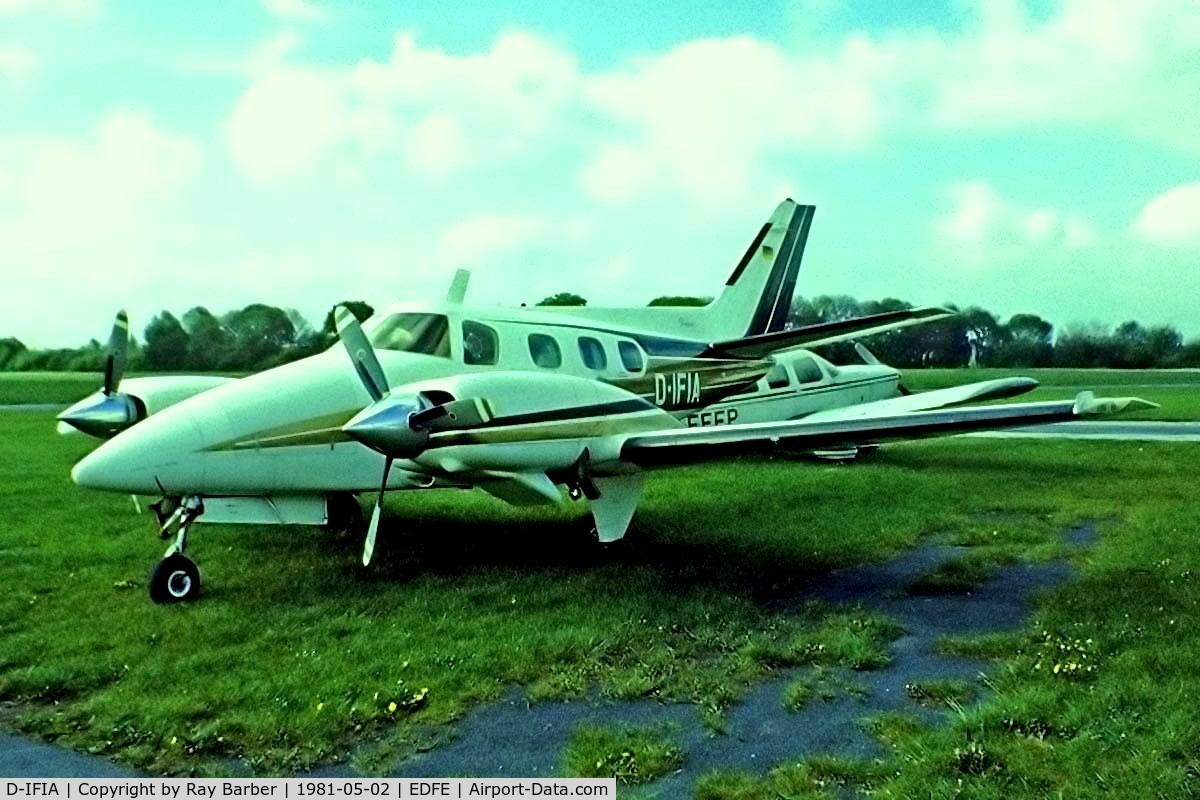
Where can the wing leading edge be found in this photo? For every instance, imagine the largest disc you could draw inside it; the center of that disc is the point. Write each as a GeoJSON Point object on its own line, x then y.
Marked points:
{"type": "Point", "coordinates": [690, 445]}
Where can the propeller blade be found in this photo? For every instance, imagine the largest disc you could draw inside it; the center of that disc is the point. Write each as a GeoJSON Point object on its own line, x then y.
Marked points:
{"type": "Point", "coordinates": [869, 358]}
{"type": "Point", "coordinates": [362, 355]}
{"type": "Point", "coordinates": [866, 355]}
{"type": "Point", "coordinates": [118, 348]}
{"type": "Point", "coordinates": [373, 528]}
{"type": "Point", "coordinates": [468, 413]}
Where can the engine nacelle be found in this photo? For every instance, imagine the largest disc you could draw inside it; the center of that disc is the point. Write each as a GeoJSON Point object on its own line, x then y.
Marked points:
{"type": "Point", "coordinates": [104, 416]}
{"type": "Point", "coordinates": [533, 421]}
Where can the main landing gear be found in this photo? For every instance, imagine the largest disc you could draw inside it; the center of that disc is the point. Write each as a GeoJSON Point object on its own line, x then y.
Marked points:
{"type": "Point", "coordinates": [176, 578]}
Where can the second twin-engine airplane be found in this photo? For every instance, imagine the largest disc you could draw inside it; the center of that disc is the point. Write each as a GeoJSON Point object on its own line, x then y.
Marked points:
{"type": "Point", "coordinates": [520, 402]}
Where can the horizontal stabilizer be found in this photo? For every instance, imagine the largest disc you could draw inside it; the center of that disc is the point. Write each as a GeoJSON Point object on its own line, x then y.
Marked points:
{"type": "Point", "coordinates": [1088, 405]}
{"type": "Point", "coordinates": [825, 333]}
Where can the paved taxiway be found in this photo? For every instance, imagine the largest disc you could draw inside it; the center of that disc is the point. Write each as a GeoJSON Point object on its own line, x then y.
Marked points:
{"type": "Point", "coordinates": [23, 757]}
{"type": "Point", "coordinates": [1110, 429]}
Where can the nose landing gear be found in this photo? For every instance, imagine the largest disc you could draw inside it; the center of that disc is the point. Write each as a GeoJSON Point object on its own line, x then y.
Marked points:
{"type": "Point", "coordinates": [177, 578]}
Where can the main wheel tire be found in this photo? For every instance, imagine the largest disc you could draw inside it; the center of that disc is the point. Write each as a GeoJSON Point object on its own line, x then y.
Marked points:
{"type": "Point", "coordinates": [174, 580]}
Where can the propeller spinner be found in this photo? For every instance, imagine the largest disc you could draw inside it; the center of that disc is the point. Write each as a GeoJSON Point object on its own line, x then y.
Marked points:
{"type": "Point", "coordinates": [106, 413]}
{"type": "Point", "coordinates": [397, 427]}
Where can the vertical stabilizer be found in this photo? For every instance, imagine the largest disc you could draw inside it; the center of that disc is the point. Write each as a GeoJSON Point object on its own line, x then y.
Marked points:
{"type": "Point", "coordinates": [758, 295]}
{"type": "Point", "coordinates": [756, 298]}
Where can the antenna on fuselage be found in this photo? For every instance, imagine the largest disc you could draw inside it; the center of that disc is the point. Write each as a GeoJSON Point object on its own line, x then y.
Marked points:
{"type": "Point", "coordinates": [458, 287]}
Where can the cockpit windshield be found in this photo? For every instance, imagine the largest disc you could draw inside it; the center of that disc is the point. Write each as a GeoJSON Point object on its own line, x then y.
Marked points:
{"type": "Point", "coordinates": [414, 333]}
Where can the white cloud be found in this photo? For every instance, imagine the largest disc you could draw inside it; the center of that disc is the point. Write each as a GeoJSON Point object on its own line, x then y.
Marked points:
{"type": "Point", "coordinates": [1172, 218]}
{"type": "Point", "coordinates": [621, 181]}
{"type": "Point", "coordinates": [64, 8]}
{"type": "Point", "coordinates": [438, 112]}
{"type": "Point", "coordinates": [1012, 256]}
{"type": "Point", "coordinates": [82, 217]}
{"type": "Point", "coordinates": [706, 117]}
{"type": "Point", "coordinates": [249, 63]}
{"type": "Point", "coordinates": [286, 123]}
{"type": "Point", "coordinates": [709, 118]}
{"type": "Point", "coordinates": [296, 10]}
{"type": "Point", "coordinates": [16, 64]}
{"type": "Point", "coordinates": [981, 224]}
{"type": "Point", "coordinates": [490, 237]}
{"type": "Point", "coordinates": [437, 144]}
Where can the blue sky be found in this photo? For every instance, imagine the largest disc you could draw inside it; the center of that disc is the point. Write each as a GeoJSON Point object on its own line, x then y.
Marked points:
{"type": "Point", "coordinates": [1025, 156]}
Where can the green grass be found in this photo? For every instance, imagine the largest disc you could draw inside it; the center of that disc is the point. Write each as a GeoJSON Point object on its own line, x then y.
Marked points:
{"type": "Point", "coordinates": [940, 692]}
{"type": "Point", "coordinates": [295, 655]}
{"type": "Point", "coordinates": [818, 777]}
{"type": "Point", "coordinates": [1177, 391]}
{"type": "Point", "coordinates": [818, 684]}
{"type": "Point", "coordinates": [954, 576]}
{"type": "Point", "coordinates": [895, 727]}
{"type": "Point", "coordinates": [53, 387]}
{"type": "Point", "coordinates": [47, 387]}
{"type": "Point", "coordinates": [631, 755]}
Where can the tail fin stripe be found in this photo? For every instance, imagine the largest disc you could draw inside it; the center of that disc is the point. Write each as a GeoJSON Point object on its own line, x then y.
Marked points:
{"type": "Point", "coordinates": [754, 245]}
{"type": "Point", "coordinates": [783, 303]}
{"type": "Point", "coordinates": [773, 306]}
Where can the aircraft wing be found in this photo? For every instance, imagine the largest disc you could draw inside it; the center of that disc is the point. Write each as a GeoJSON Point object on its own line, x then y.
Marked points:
{"type": "Point", "coordinates": [690, 445]}
{"type": "Point", "coordinates": [923, 401]}
{"type": "Point", "coordinates": [824, 333]}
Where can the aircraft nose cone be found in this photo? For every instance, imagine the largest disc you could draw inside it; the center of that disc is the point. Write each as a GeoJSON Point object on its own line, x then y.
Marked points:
{"type": "Point", "coordinates": [136, 460]}
{"type": "Point", "coordinates": [109, 468]}
{"type": "Point", "coordinates": [91, 471]}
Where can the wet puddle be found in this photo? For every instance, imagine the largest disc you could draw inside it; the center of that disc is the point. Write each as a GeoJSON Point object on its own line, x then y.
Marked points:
{"type": "Point", "coordinates": [515, 738]}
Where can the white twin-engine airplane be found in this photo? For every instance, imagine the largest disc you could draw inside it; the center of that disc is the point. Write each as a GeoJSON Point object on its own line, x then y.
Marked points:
{"type": "Point", "coordinates": [518, 402]}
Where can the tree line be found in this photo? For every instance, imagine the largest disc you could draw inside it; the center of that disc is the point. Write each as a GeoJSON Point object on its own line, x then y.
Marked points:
{"type": "Point", "coordinates": [261, 336]}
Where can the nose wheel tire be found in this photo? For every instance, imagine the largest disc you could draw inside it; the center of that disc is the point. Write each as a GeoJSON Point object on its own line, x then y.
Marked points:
{"type": "Point", "coordinates": [174, 580]}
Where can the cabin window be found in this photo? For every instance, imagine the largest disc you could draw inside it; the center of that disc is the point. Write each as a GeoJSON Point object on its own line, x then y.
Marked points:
{"type": "Point", "coordinates": [428, 334]}
{"type": "Point", "coordinates": [481, 345]}
{"type": "Point", "coordinates": [777, 377]}
{"type": "Point", "coordinates": [807, 371]}
{"type": "Point", "coordinates": [631, 356]}
{"type": "Point", "coordinates": [544, 351]}
{"type": "Point", "coordinates": [592, 353]}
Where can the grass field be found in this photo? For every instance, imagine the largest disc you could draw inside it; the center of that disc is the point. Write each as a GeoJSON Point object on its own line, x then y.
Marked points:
{"type": "Point", "coordinates": [296, 656]}
{"type": "Point", "coordinates": [51, 387]}
{"type": "Point", "coordinates": [46, 387]}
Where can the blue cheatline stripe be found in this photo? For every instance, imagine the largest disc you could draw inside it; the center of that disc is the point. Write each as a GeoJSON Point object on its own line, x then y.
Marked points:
{"type": "Point", "coordinates": [783, 303]}
{"type": "Point", "coordinates": [749, 254]}
{"type": "Point", "coordinates": [772, 308]}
